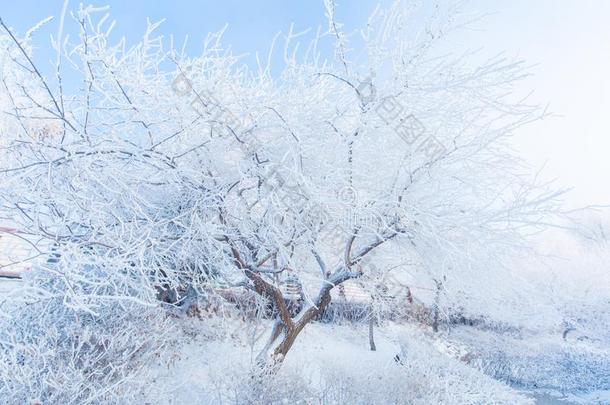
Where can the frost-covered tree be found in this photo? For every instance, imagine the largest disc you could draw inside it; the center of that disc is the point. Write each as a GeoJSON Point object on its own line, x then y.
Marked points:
{"type": "Point", "coordinates": [164, 176]}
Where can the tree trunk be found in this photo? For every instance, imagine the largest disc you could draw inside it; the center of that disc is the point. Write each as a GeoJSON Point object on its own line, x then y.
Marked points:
{"type": "Point", "coordinates": [291, 327]}
{"type": "Point", "coordinates": [436, 307]}
{"type": "Point", "coordinates": [435, 319]}
{"type": "Point", "coordinates": [371, 335]}
{"type": "Point", "coordinates": [292, 331]}
{"type": "Point", "coordinates": [276, 330]}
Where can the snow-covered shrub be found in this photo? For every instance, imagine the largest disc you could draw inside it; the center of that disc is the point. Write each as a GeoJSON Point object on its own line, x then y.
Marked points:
{"type": "Point", "coordinates": [540, 360]}
{"type": "Point", "coordinates": [243, 384]}
{"type": "Point", "coordinates": [52, 353]}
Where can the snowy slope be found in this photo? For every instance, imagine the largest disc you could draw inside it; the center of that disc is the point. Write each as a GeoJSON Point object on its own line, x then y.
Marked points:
{"type": "Point", "coordinates": [328, 365]}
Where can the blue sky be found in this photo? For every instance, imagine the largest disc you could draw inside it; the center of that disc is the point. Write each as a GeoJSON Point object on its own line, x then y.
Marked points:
{"type": "Point", "coordinates": [566, 41]}
{"type": "Point", "coordinates": [252, 24]}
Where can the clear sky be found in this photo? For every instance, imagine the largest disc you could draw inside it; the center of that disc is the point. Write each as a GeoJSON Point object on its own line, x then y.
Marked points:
{"type": "Point", "coordinates": [566, 41]}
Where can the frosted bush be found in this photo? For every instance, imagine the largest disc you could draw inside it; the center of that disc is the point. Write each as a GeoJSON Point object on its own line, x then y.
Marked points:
{"type": "Point", "coordinates": [53, 354]}
{"type": "Point", "coordinates": [236, 381]}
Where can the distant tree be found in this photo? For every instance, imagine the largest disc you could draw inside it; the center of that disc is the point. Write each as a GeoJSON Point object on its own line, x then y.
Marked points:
{"type": "Point", "coordinates": [590, 227]}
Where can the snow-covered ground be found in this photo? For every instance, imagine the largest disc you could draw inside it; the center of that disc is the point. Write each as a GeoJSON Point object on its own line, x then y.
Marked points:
{"type": "Point", "coordinates": [7, 285]}
{"type": "Point", "coordinates": [333, 364]}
